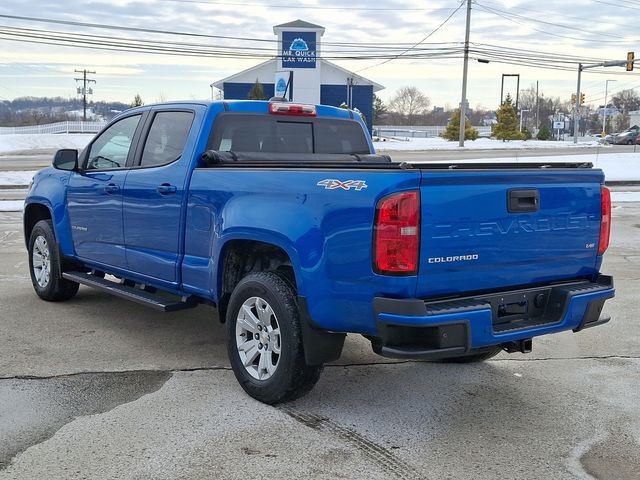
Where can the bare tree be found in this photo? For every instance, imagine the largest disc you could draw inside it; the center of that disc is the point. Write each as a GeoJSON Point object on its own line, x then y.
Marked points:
{"type": "Point", "coordinates": [409, 102]}
{"type": "Point", "coordinates": [626, 101]}
{"type": "Point", "coordinates": [546, 106]}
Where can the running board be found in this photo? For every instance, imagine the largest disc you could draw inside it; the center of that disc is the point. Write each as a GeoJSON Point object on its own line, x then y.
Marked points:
{"type": "Point", "coordinates": [152, 300]}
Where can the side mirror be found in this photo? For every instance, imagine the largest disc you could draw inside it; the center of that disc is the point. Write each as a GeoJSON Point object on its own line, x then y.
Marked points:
{"type": "Point", "coordinates": [66, 159]}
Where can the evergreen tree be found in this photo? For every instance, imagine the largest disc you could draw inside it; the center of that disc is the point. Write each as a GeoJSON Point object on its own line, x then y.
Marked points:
{"type": "Point", "coordinates": [379, 108]}
{"type": "Point", "coordinates": [452, 132]}
{"type": "Point", "coordinates": [507, 126]}
{"type": "Point", "coordinates": [137, 101]}
{"type": "Point", "coordinates": [256, 92]}
{"type": "Point", "coordinates": [544, 133]}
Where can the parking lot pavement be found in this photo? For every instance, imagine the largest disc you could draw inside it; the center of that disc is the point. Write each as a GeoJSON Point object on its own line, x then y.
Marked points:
{"type": "Point", "coordinates": [101, 388]}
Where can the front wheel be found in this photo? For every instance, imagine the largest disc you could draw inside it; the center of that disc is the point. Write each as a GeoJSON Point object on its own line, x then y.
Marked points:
{"type": "Point", "coordinates": [44, 265]}
{"type": "Point", "coordinates": [264, 340]}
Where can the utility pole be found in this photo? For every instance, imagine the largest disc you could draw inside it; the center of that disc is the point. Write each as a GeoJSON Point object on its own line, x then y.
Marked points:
{"type": "Point", "coordinates": [576, 107]}
{"type": "Point", "coordinates": [84, 81]}
{"type": "Point", "coordinates": [604, 112]}
{"type": "Point", "coordinates": [465, 70]}
{"type": "Point", "coordinates": [536, 126]}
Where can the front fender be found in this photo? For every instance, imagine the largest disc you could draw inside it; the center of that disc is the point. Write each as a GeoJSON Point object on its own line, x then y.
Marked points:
{"type": "Point", "coordinates": [50, 190]}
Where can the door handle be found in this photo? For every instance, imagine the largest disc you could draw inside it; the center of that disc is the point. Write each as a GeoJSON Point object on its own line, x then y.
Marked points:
{"type": "Point", "coordinates": [111, 188]}
{"type": "Point", "coordinates": [523, 200]}
{"type": "Point", "coordinates": [166, 189]}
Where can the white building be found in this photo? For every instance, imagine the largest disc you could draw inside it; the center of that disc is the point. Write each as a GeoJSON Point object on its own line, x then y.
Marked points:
{"type": "Point", "coordinates": [310, 78]}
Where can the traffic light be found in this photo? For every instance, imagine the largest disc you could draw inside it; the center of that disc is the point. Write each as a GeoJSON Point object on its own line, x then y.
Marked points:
{"type": "Point", "coordinates": [573, 99]}
{"type": "Point", "coordinates": [630, 58]}
{"type": "Point", "coordinates": [582, 99]}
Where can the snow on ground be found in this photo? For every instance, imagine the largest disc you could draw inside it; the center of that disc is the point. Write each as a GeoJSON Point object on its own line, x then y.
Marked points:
{"type": "Point", "coordinates": [11, 205]}
{"type": "Point", "coordinates": [16, 178]}
{"type": "Point", "coordinates": [45, 141]}
{"type": "Point", "coordinates": [437, 143]}
{"type": "Point", "coordinates": [617, 197]}
{"type": "Point", "coordinates": [616, 166]}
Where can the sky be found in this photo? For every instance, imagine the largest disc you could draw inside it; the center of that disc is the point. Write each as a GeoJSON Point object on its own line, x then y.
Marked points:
{"type": "Point", "coordinates": [594, 29]}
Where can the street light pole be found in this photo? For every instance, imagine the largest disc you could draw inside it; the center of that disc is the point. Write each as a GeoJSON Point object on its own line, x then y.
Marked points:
{"type": "Point", "coordinates": [604, 112]}
{"type": "Point", "coordinates": [465, 69]}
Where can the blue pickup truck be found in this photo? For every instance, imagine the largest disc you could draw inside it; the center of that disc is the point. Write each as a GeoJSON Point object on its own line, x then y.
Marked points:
{"type": "Point", "coordinates": [282, 217]}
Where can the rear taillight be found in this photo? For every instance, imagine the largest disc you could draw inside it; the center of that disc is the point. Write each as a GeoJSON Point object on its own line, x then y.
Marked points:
{"type": "Point", "coordinates": [396, 245]}
{"type": "Point", "coordinates": [605, 222]}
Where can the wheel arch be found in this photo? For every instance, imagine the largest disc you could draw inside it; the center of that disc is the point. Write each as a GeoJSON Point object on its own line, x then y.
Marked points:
{"type": "Point", "coordinates": [33, 213]}
{"type": "Point", "coordinates": [241, 256]}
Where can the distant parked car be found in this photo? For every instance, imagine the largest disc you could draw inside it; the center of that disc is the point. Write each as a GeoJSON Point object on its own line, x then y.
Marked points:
{"type": "Point", "coordinates": [611, 138]}
{"type": "Point", "coordinates": [626, 138]}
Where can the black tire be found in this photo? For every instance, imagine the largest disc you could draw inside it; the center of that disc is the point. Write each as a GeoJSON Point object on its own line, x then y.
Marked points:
{"type": "Point", "coordinates": [475, 356]}
{"type": "Point", "coordinates": [51, 287]}
{"type": "Point", "coordinates": [292, 377]}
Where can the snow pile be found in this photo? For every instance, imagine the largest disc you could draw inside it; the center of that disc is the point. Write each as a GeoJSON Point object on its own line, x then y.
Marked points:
{"type": "Point", "coordinates": [437, 143]}
{"type": "Point", "coordinates": [44, 141]}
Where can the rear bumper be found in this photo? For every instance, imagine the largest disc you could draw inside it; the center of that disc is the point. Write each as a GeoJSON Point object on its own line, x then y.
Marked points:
{"type": "Point", "coordinates": [414, 328]}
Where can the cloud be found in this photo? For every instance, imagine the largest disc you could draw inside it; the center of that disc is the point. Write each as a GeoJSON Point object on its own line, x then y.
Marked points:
{"type": "Point", "coordinates": [599, 31]}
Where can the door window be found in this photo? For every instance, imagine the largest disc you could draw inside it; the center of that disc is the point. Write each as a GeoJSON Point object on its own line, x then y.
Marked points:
{"type": "Point", "coordinates": [111, 148]}
{"type": "Point", "coordinates": [167, 137]}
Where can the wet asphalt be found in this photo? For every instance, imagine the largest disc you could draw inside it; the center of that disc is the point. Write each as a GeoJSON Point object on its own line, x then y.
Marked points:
{"type": "Point", "coordinates": [34, 409]}
{"type": "Point", "coordinates": [101, 388]}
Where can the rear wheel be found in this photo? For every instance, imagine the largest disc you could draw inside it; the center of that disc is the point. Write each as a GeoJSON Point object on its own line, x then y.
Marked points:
{"type": "Point", "coordinates": [44, 265]}
{"type": "Point", "coordinates": [264, 340]}
{"type": "Point", "coordinates": [474, 356]}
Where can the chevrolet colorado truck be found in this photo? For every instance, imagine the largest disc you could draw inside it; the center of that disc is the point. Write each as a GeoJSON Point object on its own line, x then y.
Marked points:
{"type": "Point", "coordinates": [282, 217]}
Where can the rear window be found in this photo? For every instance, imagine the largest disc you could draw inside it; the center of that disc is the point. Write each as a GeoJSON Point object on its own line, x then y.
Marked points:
{"type": "Point", "coordinates": [273, 134]}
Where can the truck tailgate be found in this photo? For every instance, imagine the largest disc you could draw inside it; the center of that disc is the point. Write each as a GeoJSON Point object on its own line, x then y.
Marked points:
{"type": "Point", "coordinates": [490, 229]}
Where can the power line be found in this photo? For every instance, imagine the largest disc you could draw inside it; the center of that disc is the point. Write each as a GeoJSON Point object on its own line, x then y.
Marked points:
{"type": "Point", "coordinates": [177, 33]}
{"type": "Point", "coordinates": [80, 37]}
{"type": "Point", "coordinates": [521, 20]}
{"type": "Point", "coordinates": [126, 45]}
{"type": "Point", "coordinates": [308, 7]}
{"type": "Point", "coordinates": [545, 22]}
{"type": "Point", "coordinates": [420, 42]}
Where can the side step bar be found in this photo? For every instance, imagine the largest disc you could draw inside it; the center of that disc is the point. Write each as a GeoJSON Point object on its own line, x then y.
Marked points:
{"type": "Point", "coordinates": [152, 300]}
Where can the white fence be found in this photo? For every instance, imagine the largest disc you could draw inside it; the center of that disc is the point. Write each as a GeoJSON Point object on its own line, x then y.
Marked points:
{"type": "Point", "coordinates": [60, 127]}
{"type": "Point", "coordinates": [419, 131]}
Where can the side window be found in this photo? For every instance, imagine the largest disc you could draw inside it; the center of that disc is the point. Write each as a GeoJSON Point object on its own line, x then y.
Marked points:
{"type": "Point", "coordinates": [111, 149]}
{"type": "Point", "coordinates": [166, 138]}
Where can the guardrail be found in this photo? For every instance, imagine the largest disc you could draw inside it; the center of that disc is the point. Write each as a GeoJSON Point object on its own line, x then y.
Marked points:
{"type": "Point", "coordinates": [59, 127]}
{"type": "Point", "coordinates": [419, 131]}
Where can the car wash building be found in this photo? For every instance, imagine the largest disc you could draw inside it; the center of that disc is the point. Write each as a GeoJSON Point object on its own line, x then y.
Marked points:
{"type": "Point", "coordinates": [300, 70]}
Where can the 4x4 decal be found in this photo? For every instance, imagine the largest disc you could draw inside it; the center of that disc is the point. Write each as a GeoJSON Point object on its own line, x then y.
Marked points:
{"type": "Point", "coordinates": [332, 184]}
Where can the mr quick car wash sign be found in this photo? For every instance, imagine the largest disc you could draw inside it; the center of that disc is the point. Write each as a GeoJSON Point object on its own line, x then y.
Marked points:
{"type": "Point", "coordinates": [298, 50]}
